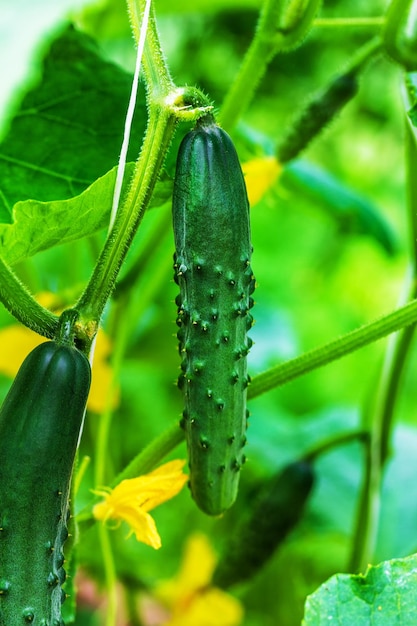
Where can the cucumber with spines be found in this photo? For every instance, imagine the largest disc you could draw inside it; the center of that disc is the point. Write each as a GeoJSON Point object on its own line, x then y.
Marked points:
{"type": "Point", "coordinates": [322, 108]}
{"type": "Point", "coordinates": [272, 515]}
{"type": "Point", "coordinates": [212, 268]}
{"type": "Point", "coordinates": [40, 423]}
{"type": "Point", "coordinates": [326, 104]}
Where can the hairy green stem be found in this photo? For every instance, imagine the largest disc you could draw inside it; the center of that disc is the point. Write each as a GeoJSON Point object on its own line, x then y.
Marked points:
{"type": "Point", "coordinates": [153, 454]}
{"type": "Point", "coordinates": [102, 447]}
{"type": "Point", "coordinates": [368, 511]}
{"type": "Point", "coordinates": [81, 468]}
{"type": "Point", "coordinates": [156, 71]}
{"type": "Point", "coordinates": [335, 349]}
{"type": "Point", "coordinates": [274, 33]}
{"type": "Point", "coordinates": [141, 464]}
{"type": "Point", "coordinates": [23, 306]}
{"type": "Point", "coordinates": [103, 457]}
{"type": "Point", "coordinates": [400, 349]}
{"type": "Point", "coordinates": [349, 22]}
{"type": "Point", "coordinates": [167, 105]}
{"type": "Point", "coordinates": [335, 441]}
{"type": "Point", "coordinates": [411, 165]}
{"type": "Point", "coordinates": [110, 575]}
{"type": "Point", "coordinates": [159, 133]}
{"type": "Point", "coordinates": [383, 413]}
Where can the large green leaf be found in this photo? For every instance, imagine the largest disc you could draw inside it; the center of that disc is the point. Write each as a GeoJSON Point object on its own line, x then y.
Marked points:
{"type": "Point", "coordinates": [57, 160]}
{"type": "Point", "coordinates": [385, 596]}
{"type": "Point", "coordinates": [40, 225]}
{"type": "Point", "coordinates": [68, 129]}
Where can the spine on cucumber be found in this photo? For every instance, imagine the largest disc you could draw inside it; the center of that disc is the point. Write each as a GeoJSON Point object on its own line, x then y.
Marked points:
{"type": "Point", "coordinates": [212, 268]}
{"type": "Point", "coordinates": [40, 424]}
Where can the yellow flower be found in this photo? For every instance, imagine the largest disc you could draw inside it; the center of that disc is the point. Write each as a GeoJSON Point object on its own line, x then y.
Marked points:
{"type": "Point", "coordinates": [131, 500]}
{"type": "Point", "coordinates": [18, 340]}
{"type": "Point", "coordinates": [101, 375]}
{"type": "Point", "coordinates": [261, 174]}
{"type": "Point", "coordinates": [189, 597]}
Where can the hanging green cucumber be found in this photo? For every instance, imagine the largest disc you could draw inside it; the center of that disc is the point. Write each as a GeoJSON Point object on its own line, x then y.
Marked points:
{"type": "Point", "coordinates": [274, 513]}
{"type": "Point", "coordinates": [325, 105]}
{"type": "Point", "coordinates": [316, 115]}
{"type": "Point", "coordinates": [40, 423]}
{"type": "Point", "coordinates": [212, 269]}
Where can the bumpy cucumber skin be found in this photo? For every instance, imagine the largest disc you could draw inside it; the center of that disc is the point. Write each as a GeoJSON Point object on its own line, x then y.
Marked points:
{"type": "Point", "coordinates": [273, 514]}
{"type": "Point", "coordinates": [317, 114]}
{"type": "Point", "coordinates": [212, 268]}
{"type": "Point", "coordinates": [40, 423]}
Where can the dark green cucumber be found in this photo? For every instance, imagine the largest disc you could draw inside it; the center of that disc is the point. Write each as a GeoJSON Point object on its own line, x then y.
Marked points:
{"type": "Point", "coordinates": [212, 268]}
{"type": "Point", "coordinates": [317, 114]}
{"type": "Point", "coordinates": [273, 514]}
{"type": "Point", "coordinates": [326, 104]}
{"type": "Point", "coordinates": [40, 424]}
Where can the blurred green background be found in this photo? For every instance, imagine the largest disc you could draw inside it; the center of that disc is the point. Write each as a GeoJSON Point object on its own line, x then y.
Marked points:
{"type": "Point", "coordinates": [317, 278]}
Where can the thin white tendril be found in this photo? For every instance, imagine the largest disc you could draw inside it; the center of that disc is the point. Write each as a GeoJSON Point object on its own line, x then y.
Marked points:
{"type": "Point", "coordinates": [129, 116]}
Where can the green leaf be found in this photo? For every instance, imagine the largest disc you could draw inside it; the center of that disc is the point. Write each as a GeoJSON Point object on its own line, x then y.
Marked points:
{"type": "Point", "coordinates": [68, 129]}
{"type": "Point", "coordinates": [353, 212]}
{"type": "Point", "coordinates": [37, 226]}
{"type": "Point", "coordinates": [40, 225]}
{"type": "Point", "coordinates": [385, 596]}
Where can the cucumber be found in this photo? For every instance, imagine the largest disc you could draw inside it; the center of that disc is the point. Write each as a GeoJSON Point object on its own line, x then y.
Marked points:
{"type": "Point", "coordinates": [40, 424]}
{"type": "Point", "coordinates": [317, 114]}
{"type": "Point", "coordinates": [212, 268]}
{"type": "Point", "coordinates": [273, 514]}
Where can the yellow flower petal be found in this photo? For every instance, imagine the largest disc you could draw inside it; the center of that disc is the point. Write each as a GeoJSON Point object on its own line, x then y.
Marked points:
{"type": "Point", "coordinates": [260, 175]}
{"type": "Point", "coordinates": [17, 341]}
{"type": "Point", "coordinates": [198, 563]}
{"type": "Point", "coordinates": [102, 375]}
{"type": "Point", "coordinates": [189, 597]}
{"type": "Point", "coordinates": [131, 500]}
{"type": "Point", "coordinates": [210, 607]}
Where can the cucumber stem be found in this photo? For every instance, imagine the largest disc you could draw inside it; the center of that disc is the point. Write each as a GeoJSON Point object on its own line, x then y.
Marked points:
{"type": "Point", "coordinates": [66, 331]}
{"type": "Point", "coordinates": [144, 462]}
{"type": "Point", "coordinates": [333, 350]}
{"type": "Point", "coordinates": [381, 418]}
{"type": "Point", "coordinates": [349, 22]}
{"type": "Point", "coordinates": [273, 34]}
{"type": "Point", "coordinates": [152, 454]}
{"type": "Point", "coordinates": [167, 106]}
{"type": "Point", "coordinates": [335, 441]}
{"type": "Point", "coordinates": [23, 306]}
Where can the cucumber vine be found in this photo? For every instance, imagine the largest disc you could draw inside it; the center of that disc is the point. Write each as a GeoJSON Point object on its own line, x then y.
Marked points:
{"type": "Point", "coordinates": [119, 299]}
